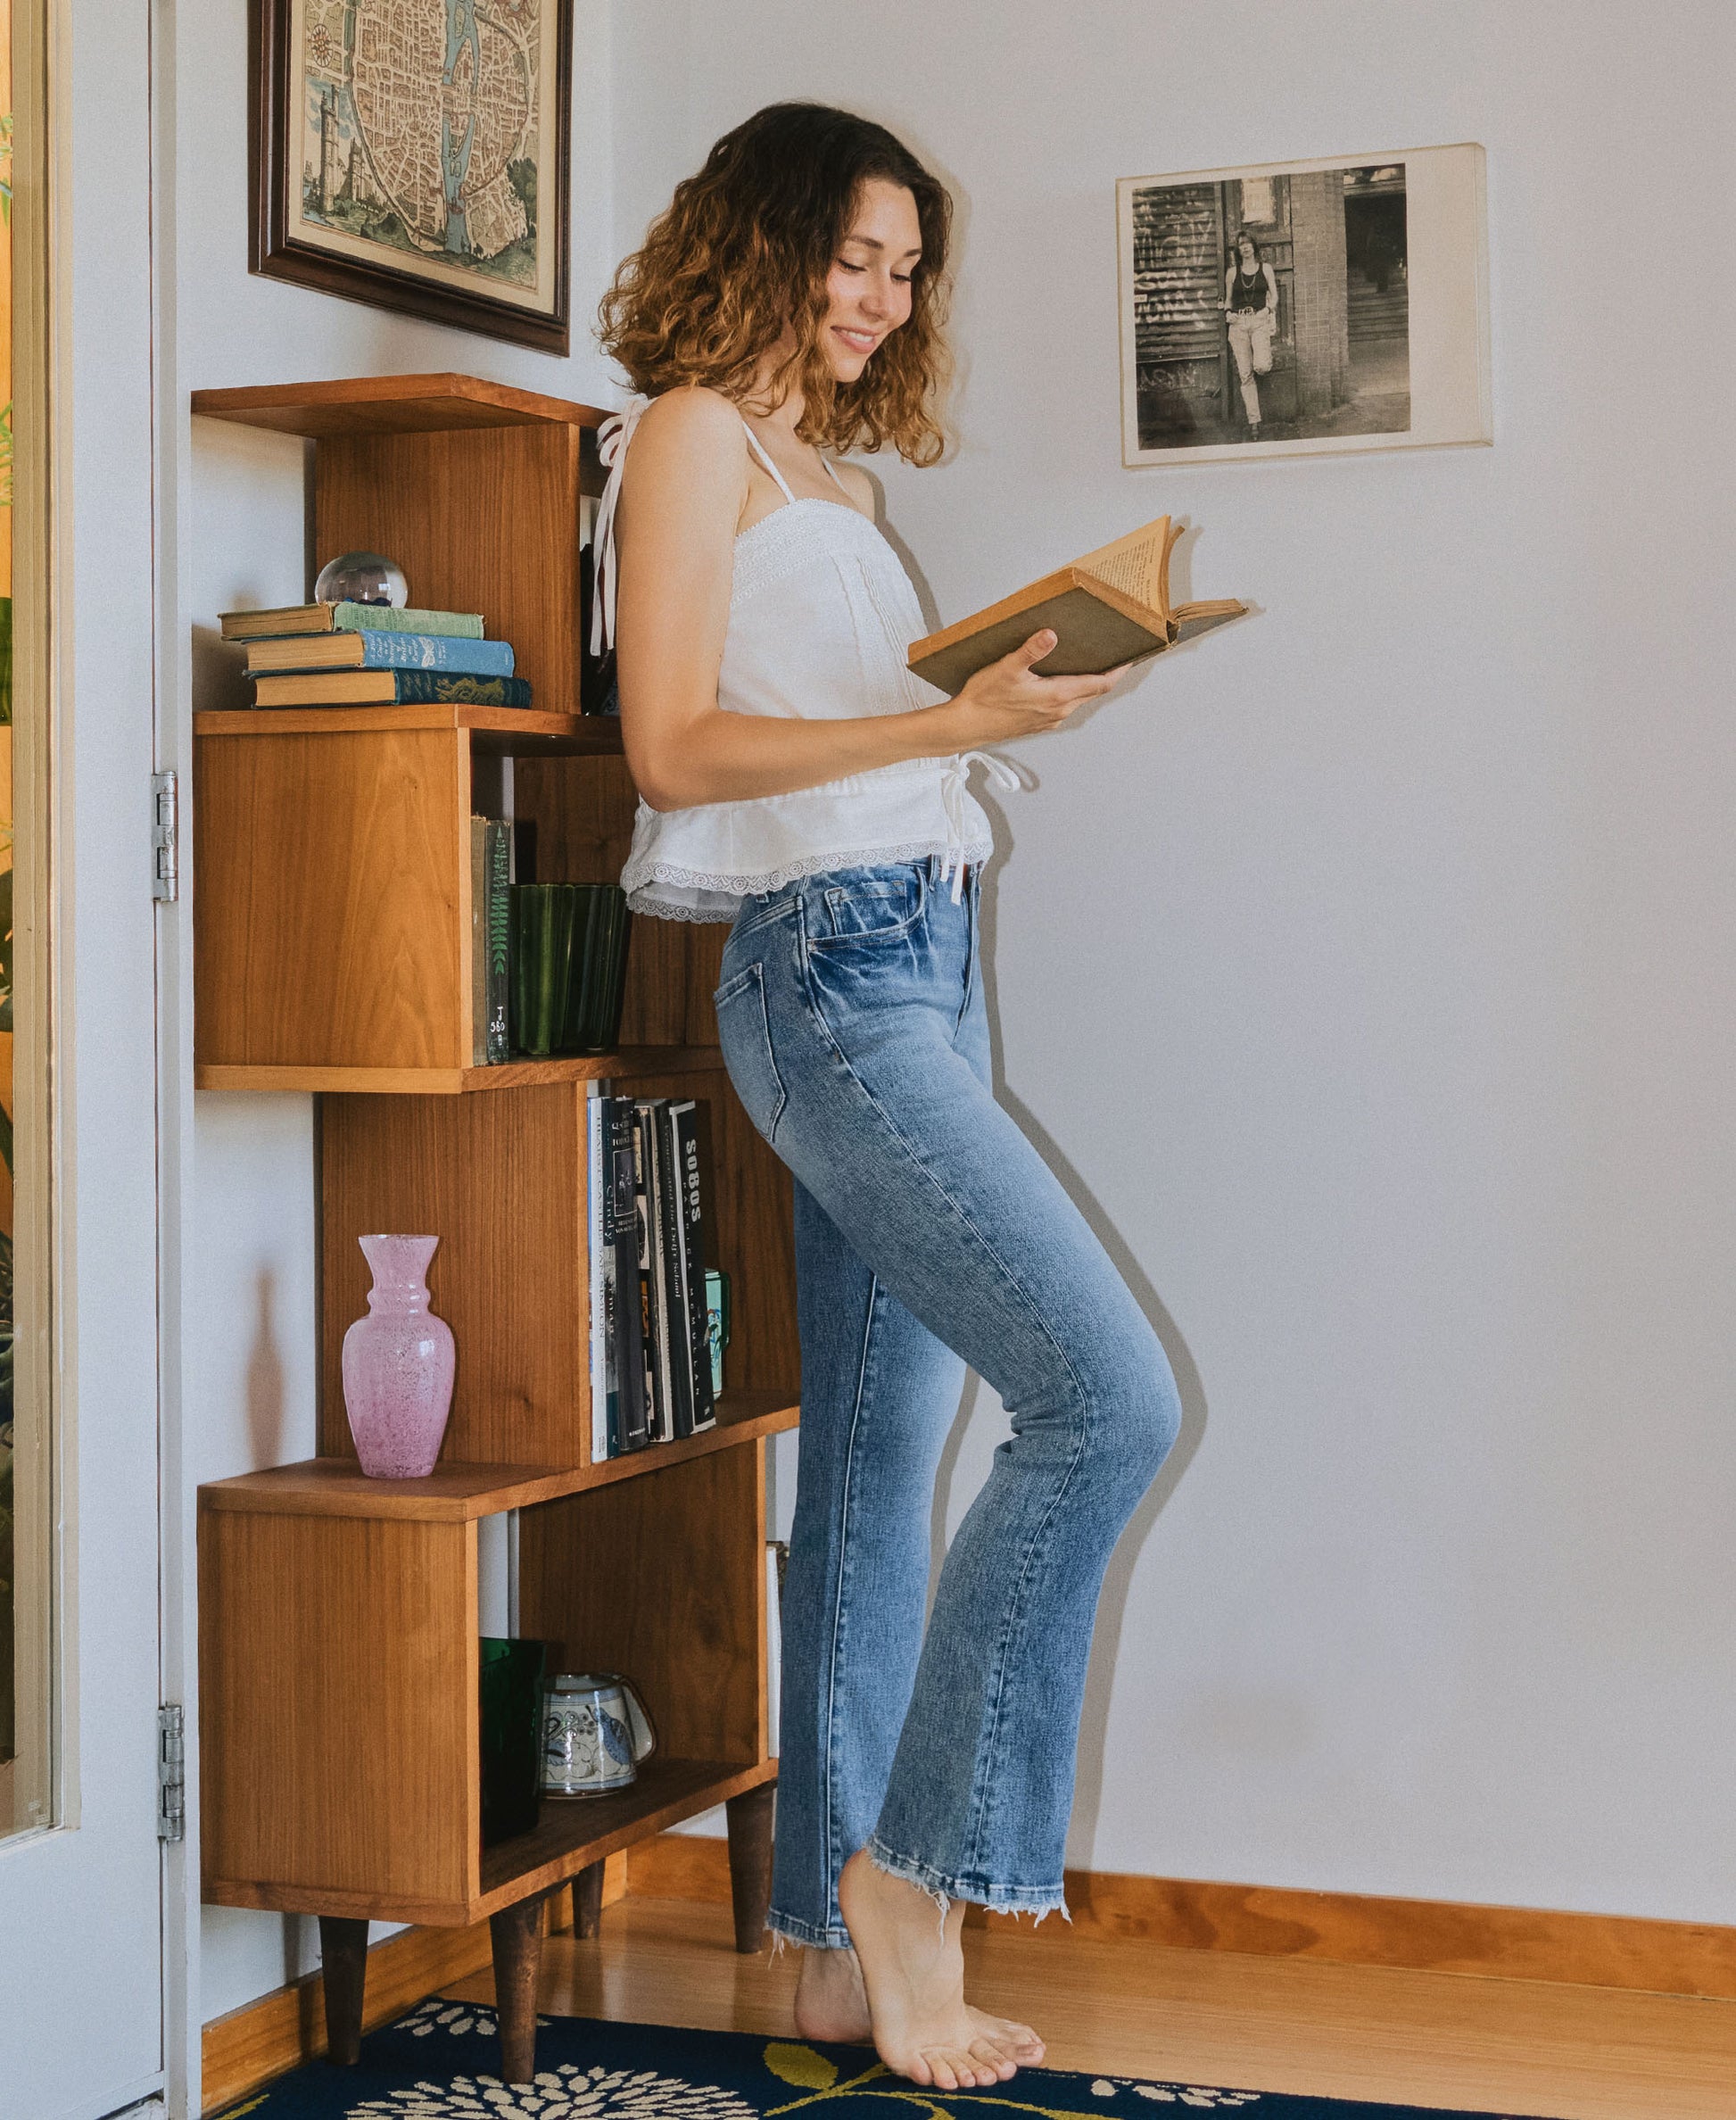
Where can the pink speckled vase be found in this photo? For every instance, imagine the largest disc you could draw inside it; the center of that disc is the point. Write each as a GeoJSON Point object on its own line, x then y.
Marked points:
{"type": "Point", "coordinates": [398, 1363]}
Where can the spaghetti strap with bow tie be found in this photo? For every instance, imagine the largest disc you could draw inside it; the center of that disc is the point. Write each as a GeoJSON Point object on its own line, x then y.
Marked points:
{"type": "Point", "coordinates": [612, 439]}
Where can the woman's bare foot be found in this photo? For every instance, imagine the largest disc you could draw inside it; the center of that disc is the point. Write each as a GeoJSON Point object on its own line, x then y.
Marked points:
{"type": "Point", "coordinates": [832, 2003]}
{"type": "Point", "coordinates": [913, 1970]}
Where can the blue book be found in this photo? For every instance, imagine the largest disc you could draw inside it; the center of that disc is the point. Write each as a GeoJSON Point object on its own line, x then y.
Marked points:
{"type": "Point", "coordinates": [381, 651]}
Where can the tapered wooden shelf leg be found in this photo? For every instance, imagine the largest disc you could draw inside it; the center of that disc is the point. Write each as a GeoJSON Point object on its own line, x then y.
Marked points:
{"type": "Point", "coordinates": [749, 1820]}
{"type": "Point", "coordinates": [588, 1901]}
{"type": "Point", "coordinates": [516, 1934]}
{"type": "Point", "coordinates": [343, 1979]}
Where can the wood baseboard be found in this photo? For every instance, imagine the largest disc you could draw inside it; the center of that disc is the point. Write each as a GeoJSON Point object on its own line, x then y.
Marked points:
{"type": "Point", "coordinates": [1669, 1958]}
{"type": "Point", "coordinates": [280, 2030]}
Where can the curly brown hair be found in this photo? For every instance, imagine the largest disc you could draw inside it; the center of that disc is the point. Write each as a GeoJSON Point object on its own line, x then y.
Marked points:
{"type": "Point", "coordinates": [743, 251]}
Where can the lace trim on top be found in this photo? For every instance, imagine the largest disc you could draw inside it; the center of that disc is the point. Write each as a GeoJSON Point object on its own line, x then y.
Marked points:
{"type": "Point", "coordinates": [789, 538]}
{"type": "Point", "coordinates": [976, 847]}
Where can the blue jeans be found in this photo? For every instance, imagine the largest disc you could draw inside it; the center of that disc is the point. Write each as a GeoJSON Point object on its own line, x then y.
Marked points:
{"type": "Point", "coordinates": [929, 1234]}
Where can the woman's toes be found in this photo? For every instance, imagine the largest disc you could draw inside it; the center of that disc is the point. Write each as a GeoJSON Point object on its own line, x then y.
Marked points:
{"type": "Point", "coordinates": [987, 2053]}
{"type": "Point", "coordinates": [941, 2075]}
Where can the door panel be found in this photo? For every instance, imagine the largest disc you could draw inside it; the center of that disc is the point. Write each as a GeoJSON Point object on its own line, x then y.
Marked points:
{"type": "Point", "coordinates": [80, 1895]}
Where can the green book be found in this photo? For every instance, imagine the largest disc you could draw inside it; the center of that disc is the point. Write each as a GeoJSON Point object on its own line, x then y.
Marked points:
{"type": "Point", "coordinates": [479, 941]}
{"type": "Point", "coordinates": [287, 620]}
{"type": "Point", "coordinates": [499, 954]}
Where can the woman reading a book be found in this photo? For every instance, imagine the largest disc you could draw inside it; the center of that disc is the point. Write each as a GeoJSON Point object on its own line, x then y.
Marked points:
{"type": "Point", "coordinates": [800, 783]}
{"type": "Point", "coordinates": [1250, 299]}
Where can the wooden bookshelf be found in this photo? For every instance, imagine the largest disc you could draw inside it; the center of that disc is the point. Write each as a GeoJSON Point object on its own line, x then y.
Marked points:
{"type": "Point", "coordinates": [339, 1615]}
{"type": "Point", "coordinates": [495, 732]}
{"type": "Point", "coordinates": [455, 1493]}
{"type": "Point", "coordinates": [339, 1741]}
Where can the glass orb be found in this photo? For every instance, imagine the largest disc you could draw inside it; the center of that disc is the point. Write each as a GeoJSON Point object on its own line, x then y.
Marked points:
{"type": "Point", "coordinates": [362, 577]}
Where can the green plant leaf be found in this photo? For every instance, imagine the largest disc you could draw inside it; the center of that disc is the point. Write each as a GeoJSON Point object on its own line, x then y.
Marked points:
{"type": "Point", "coordinates": [801, 2066]}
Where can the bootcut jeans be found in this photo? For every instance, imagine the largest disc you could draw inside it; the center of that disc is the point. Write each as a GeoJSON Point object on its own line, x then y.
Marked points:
{"type": "Point", "coordinates": [930, 1234]}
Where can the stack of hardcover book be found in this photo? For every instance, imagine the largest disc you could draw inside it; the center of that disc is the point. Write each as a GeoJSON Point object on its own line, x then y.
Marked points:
{"type": "Point", "coordinates": [359, 655]}
{"type": "Point", "coordinates": [651, 1377]}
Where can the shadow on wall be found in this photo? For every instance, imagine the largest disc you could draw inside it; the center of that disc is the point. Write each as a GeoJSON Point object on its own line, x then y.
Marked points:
{"type": "Point", "coordinates": [265, 1379]}
{"type": "Point", "coordinates": [1112, 1610]}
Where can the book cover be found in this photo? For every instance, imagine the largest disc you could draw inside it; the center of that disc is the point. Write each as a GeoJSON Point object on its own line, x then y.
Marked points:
{"type": "Point", "coordinates": [1110, 608]}
{"type": "Point", "coordinates": [678, 1332]}
{"type": "Point", "coordinates": [657, 1187]}
{"type": "Point", "coordinates": [612, 1444]}
{"type": "Point", "coordinates": [499, 960]}
{"type": "Point", "coordinates": [479, 941]}
{"type": "Point", "coordinates": [378, 650]}
{"type": "Point", "coordinates": [690, 1159]}
{"type": "Point", "coordinates": [596, 1257]}
{"type": "Point", "coordinates": [645, 1266]}
{"type": "Point", "coordinates": [389, 688]}
{"type": "Point", "coordinates": [717, 1330]}
{"type": "Point", "coordinates": [284, 620]}
{"type": "Point", "coordinates": [632, 1431]}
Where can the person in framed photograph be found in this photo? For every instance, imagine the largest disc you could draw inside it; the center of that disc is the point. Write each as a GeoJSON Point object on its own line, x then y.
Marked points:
{"type": "Point", "coordinates": [798, 781]}
{"type": "Point", "coordinates": [1251, 300]}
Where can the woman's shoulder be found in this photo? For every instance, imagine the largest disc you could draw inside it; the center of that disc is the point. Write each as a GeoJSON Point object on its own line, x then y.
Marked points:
{"type": "Point", "coordinates": [692, 429]}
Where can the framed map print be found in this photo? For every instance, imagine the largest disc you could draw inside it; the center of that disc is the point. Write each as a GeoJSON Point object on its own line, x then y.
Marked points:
{"type": "Point", "coordinates": [416, 154]}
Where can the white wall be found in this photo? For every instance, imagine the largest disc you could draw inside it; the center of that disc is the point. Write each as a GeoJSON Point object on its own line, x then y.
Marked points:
{"type": "Point", "coordinates": [250, 1369]}
{"type": "Point", "coordinates": [1367, 972]}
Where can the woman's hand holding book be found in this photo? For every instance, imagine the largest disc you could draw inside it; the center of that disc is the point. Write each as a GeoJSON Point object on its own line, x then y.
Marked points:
{"type": "Point", "coordinates": [1007, 699]}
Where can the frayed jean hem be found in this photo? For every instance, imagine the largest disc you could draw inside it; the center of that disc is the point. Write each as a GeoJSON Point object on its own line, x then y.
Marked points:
{"type": "Point", "coordinates": [944, 1889]}
{"type": "Point", "coordinates": [804, 1933]}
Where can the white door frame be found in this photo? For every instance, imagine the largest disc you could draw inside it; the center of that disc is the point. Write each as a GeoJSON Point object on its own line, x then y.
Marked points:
{"type": "Point", "coordinates": [84, 1907]}
{"type": "Point", "coordinates": [175, 62]}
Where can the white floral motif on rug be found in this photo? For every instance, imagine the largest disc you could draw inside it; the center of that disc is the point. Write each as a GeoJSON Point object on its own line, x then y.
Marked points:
{"type": "Point", "coordinates": [566, 2093]}
{"type": "Point", "coordinates": [1188, 2094]}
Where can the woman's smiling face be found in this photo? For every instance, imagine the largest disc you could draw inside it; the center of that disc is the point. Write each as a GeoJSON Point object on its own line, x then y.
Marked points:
{"type": "Point", "coordinates": [869, 282]}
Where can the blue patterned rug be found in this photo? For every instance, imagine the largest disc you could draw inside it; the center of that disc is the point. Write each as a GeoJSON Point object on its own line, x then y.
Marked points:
{"type": "Point", "coordinates": [438, 2064]}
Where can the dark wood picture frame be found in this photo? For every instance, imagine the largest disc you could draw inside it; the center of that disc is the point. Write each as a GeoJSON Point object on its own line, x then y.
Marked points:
{"type": "Point", "coordinates": [273, 252]}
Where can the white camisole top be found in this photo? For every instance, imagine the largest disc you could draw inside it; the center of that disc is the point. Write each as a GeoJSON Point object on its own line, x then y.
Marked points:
{"type": "Point", "coordinates": [820, 616]}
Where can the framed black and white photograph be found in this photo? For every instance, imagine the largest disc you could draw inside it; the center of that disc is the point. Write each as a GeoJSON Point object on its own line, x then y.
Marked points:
{"type": "Point", "coordinates": [416, 154]}
{"type": "Point", "coordinates": [1302, 308]}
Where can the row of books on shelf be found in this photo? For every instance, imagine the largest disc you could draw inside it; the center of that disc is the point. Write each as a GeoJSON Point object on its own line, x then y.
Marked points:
{"type": "Point", "coordinates": [358, 655]}
{"type": "Point", "coordinates": [657, 1316]}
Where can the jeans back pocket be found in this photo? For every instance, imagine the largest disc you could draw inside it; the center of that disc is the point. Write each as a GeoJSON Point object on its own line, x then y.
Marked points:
{"type": "Point", "coordinates": [744, 1031]}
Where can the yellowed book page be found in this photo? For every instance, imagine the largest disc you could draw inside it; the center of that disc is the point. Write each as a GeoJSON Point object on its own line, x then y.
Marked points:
{"type": "Point", "coordinates": [1137, 565]}
{"type": "Point", "coordinates": [1189, 620]}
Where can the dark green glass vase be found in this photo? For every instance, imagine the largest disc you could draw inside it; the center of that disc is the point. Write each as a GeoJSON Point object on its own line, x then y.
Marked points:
{"type": "Point", "coordinates": [512, 1690]}
{"type": "Point", "coordinates": [602, 925]}
{"type": "Point", "coordinates": [542, 976]}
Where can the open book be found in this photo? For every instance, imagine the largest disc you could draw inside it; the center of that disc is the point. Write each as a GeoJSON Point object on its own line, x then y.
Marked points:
{"type": "Point", "coordinates": [1113, 607]}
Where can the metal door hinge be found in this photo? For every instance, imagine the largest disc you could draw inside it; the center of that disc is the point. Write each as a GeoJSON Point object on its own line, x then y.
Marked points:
{"type": "Point", "coordinates": [172, 1772]}
{"type": "Point", "coordinates": [165, 837]}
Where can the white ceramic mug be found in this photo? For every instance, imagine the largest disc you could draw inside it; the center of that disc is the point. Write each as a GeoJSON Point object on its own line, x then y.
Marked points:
{"type": "Point", "coordinates": [596, 1735]}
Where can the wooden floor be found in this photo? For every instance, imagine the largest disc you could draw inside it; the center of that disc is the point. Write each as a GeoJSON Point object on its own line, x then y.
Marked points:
{"type": "Point", "coordinates": [1430, 2039]}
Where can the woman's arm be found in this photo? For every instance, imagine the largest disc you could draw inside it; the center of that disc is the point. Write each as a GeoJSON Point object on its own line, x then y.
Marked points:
{"type": "Point", "coordinates": [1229, 286]}
{"type": "Point", "coordinates": [1271, 292]}
{"type": "Point", "coordinates": [682, 496]}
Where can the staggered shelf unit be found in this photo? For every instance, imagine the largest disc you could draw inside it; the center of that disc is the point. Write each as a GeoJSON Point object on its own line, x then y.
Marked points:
{"type": "Point", "coordinates": [339, 1615]}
